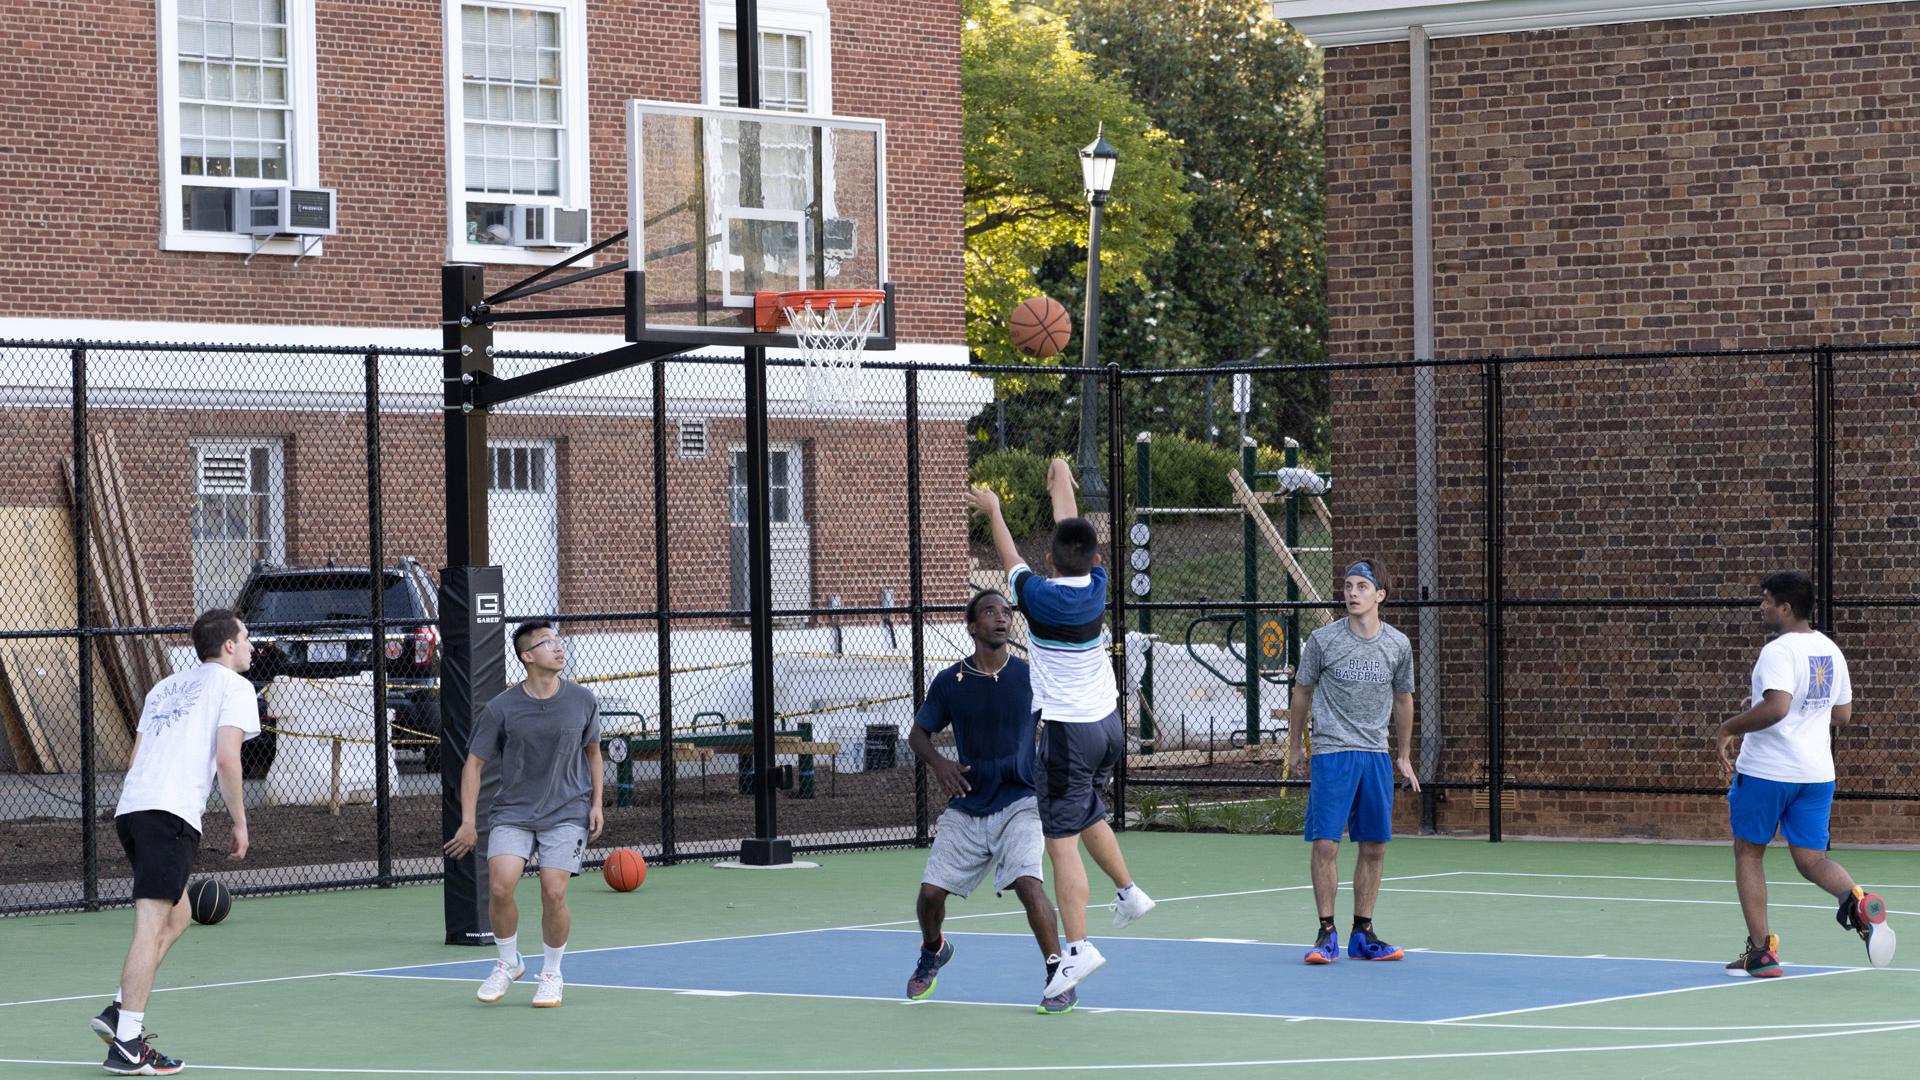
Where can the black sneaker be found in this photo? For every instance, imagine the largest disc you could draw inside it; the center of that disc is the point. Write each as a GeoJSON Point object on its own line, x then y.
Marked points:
{"type": "Point", "coordinates": [105, 1024]}
{"type": "Point", "coordinates": [137, 1057]}
{"type": "Point", "coordinates": [1761, 962]}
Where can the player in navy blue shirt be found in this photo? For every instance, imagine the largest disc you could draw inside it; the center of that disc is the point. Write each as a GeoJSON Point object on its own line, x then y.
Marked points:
{"type": "Point", "coordinates": [1082, 738]}
{"type": "Point", "coordinates": [992, 814]}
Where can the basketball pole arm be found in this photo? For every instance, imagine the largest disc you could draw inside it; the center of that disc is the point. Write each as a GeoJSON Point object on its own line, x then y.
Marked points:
{"type": "Point", "coordinates": [487, 391]}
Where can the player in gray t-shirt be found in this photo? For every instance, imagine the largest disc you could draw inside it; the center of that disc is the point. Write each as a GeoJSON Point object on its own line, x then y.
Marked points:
{"type": "Point", "coordinates": [1356, 676]}
{"type": "Point", "coordinates": [545, 734]}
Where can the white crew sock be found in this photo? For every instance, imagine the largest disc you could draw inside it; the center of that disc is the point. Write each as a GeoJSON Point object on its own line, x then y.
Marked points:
{"type": "Point", "coordinates": [1074, 947]}
{"type": "Point", "coordinates": [509, 949]}
{"type": "Point", "coordinates": [551, 959]}
{"type": "Point", "coordinates": [129, 1029]}
{"type": "Point", "coordinates": [116, 995]}
{"type": "Point", "coordinates": [1125, 893]}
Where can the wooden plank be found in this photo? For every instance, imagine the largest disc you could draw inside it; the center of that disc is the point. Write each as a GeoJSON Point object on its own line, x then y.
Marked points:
{"type": "Point", "coordinates": [17, 668]}
{"type": "Point", "coordinates": [19, 741]}
{"type": "Point", "coordinates": [1251, 504]}
{"type": "Point", "coordinates": [115, 655]}
{"type": "Point", "coordinates": [157, 663]}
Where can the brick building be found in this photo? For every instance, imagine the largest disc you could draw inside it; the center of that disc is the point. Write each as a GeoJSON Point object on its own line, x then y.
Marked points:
{"type": "Point", "coordinates": [1584, 176]}
{"type": "Point", "coordinates": [119, 233]}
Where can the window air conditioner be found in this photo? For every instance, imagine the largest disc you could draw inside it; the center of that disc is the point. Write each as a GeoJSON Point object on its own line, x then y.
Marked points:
{"type": "Point", "coordinates": [284, 211]}
{"type": "Point", "coordinates": [548, 226]}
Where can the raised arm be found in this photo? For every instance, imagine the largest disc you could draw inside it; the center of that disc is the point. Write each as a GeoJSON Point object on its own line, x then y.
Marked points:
{"type": "Point", "coordinates": [1060, 485]}
{"type": "Point", "coordinates": [987, 503]}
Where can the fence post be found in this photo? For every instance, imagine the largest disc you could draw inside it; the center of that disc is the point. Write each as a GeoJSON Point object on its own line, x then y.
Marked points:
{"type": "Point", "coordinates": [916, 599]}
{"type": "Point", "coordinates": [1117, 580]}
{"type": "Point", "coordinates": [376, 562]}
{"type": "Point", "coordinates": [1496, 540]}
{"type": "Point", "coordinates": [1823, 509]}
{"type": "Point", "coordinates": [1250, 590]}
{"type": "Point", "coordinates": [663, 606]}
{"type": "Point", "coordinates": [83, 640]}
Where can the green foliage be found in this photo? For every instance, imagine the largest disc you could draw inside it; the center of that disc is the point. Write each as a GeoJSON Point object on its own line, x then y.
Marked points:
{"type": "Point", "coordinates": [1019, 477]}
{"type": "Point", "coordinates": [1031, 102]}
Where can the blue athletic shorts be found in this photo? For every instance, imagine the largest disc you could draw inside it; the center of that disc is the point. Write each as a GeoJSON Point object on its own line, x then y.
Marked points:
{"type": "Point", "coordinates": [1757, 808]}
{"type": "Point", "coordinates": [1351, 791]}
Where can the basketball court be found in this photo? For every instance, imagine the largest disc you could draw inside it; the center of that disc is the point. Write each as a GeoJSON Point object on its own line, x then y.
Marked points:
{"type": "Point", "coordinates": [1598, 960]}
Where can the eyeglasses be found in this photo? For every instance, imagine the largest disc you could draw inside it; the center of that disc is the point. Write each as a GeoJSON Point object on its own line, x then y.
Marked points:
{"type": "Point", "coordinates": [556, 641]}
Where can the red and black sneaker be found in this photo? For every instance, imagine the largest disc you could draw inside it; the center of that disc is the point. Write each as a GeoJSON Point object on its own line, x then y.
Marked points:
{"type": "Point", "coordinates": [1866, 914]}
{"type": "Point", "coordinates": [137, 1057]}
{"type": "Point", "coordinates": [1759, 961]}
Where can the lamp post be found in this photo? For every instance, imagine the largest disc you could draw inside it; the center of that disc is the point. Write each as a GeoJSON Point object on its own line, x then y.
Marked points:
{"type": "Point", "coordinates": [1097, 160]}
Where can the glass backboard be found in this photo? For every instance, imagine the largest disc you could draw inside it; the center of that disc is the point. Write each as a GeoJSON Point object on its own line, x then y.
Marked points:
{"type": "Point", "coordinates": [726, 203]}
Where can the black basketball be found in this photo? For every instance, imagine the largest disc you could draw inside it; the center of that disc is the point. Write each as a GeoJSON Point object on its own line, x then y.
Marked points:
{"type": "Point", "coordinates": [209, 901]}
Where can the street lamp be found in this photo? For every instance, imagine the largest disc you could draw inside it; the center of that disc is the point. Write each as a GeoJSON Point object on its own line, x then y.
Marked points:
{"type": "Point", "coordinates": [1097, 160]}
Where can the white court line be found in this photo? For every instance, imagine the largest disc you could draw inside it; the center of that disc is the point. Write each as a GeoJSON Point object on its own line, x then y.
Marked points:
{"type": "Point", "coordinates": [1623, 899]}
{"type": "Point", "coordinates": [1676, 880]}
{"type": "Point", "coordinates": [107, 995]}
{"type": "Point", "coordinates": [1730, 983]}
{"type": "Point", "coordinates": [968, 1070]}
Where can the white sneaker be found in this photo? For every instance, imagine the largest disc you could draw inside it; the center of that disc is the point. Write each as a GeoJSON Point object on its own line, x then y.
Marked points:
{"type": "Point", "coordinates": [547, 994]}
{"type": "Point", "coordinates": [1126, 911]}
{"type": "Point", "coordinates": [1073, 969]}
{"type": "Point", "coordinates": [494, 987]}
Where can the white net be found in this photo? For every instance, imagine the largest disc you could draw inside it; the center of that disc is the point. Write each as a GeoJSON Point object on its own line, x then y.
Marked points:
{"type": "Point", "coordinates": [832, 335]}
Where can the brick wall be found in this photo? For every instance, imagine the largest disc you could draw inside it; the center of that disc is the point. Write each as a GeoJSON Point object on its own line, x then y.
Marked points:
{"type": "Point", "coordinates": [85, 182]}
{"type": "Point", "coordinates": [1728, 183]}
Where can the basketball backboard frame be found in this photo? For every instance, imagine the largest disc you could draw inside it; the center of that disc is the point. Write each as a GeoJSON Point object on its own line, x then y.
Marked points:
{"type": "Point", "coordinates": [698, 287]}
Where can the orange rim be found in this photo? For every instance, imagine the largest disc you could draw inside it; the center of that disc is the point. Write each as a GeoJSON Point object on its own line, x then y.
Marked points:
{"type": "Point", "coordinates": [770, 309]}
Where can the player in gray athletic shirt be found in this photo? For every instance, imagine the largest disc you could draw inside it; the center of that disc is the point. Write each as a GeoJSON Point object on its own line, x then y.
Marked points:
{"type": "Point", "coordinates": [545, 733]}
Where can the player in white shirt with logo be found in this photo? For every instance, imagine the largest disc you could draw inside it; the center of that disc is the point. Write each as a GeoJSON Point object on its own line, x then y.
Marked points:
{"type": "Point", "coordinates": [1783, 778]}
{"type": "Point", "coordinates": [191, 728]}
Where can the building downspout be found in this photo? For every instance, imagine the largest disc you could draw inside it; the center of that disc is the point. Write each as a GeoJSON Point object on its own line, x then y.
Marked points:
{"type": "Point", "coordinates": [1426, 426]}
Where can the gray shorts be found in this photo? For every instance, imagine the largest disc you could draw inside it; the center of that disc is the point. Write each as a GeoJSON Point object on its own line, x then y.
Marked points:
{"type": "Point", "coordinates": [966, 847]}
{"type": "Point", "coordinates": [562, 847]}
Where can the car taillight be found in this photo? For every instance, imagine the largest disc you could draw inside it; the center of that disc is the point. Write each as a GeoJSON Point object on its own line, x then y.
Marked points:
{"type": "Point", "coordinates": [396, 649]}
{"type": "Point", "coordinates": [425, 640]}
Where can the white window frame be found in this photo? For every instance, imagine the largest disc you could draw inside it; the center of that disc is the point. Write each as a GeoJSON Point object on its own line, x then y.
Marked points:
{"type": "Point", "coordinates": [303, 136]}
{"type": "Point", "coordinates": [276, 492]}
{"type": "Point", "coordinates": [808, 17]}
{"type": "Point", "coordinates": [795, 485]}
{"type": "Point", "coordinates": [575, 166]}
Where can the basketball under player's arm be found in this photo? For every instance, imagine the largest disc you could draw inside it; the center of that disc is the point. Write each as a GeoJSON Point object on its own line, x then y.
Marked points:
{"type": "Point", "coordinates": [1060, 485]}
{"type": "Point", "coordinates": [1772, 708]}
{"type": "Point", "coordinates": [987, 503]}
{"type": "Point", "coordinates": [467, 836]}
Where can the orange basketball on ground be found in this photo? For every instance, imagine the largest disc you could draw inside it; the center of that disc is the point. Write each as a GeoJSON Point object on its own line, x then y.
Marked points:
{"type": "Point", "coordinates": [624, 870]}
{"type": "Point", "coordinates": [1040, 326]}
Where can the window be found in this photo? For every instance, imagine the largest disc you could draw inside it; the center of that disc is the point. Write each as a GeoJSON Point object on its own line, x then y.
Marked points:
{"type": "Point", "coordinates": [237, 110]}
{"type": "Point", "coordinates": [693, 440]}
{"type": "Point", "coordinates": [521, 469]}
{"type": "Point", "coordinates": [795, 68]}
{"type": "Point", "coordinates": [516, 122]}
{"type": "Point", "coordinates": [238, 516]}
{"type": "Point", "coordinates": [783, 490]}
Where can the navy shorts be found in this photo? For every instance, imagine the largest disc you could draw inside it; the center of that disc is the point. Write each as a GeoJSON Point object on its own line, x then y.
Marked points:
{"type": "Point", "coordinates": [162, 849]}
{"type": "Point", "coordinates": [1351, 791]}
{"type": "Point", "coordinates": [1076, 761]}
{"type": "Point", "coordinates": [1756, 808]}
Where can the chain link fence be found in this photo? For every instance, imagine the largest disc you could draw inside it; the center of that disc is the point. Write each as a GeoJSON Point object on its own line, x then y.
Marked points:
{"type": "Point", "coordinates": [1571, 543]}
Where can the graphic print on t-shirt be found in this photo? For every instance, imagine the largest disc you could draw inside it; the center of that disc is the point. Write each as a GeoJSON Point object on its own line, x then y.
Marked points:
{"type": "Point", "coordinates": [1365, 668]}
{"type": "Point", "coordinates": [172, 702]}
{"type": "Point", "coordinates": [1819, 683]}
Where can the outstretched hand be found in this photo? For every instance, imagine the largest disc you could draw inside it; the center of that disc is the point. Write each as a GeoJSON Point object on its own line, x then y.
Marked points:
{"type": "Point", "coordinates": [1060, 473]}
{"type": "Point", "coordinates": [983, 499]}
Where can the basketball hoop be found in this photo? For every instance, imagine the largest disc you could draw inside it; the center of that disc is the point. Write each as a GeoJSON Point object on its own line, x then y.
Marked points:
{"type": "Point", "coordinates": [831, 327]}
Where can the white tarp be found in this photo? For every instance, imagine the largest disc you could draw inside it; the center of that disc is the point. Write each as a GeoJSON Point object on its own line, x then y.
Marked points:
{"type": "Point", "coordinates": [306, 712]}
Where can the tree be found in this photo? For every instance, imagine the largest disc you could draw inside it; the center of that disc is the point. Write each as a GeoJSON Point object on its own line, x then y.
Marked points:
{"type": "Point", "coordinates": [1241, 92]}
{"type": "Point", "coordinates": [1031, 101]}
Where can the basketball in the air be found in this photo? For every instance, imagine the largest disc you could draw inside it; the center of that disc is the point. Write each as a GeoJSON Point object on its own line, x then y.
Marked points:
{"type": "Point", "coordinates": [624, 870]}
{"type": "Point", "coordinates": [1040, 326]}
{"type": "Point", "coordinates": [208, 901]}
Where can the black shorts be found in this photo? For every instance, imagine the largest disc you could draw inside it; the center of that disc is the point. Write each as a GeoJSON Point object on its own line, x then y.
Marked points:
{"type": "Point", "coordinates": [1076, 762]}
{"type": "Point", "coordinates": [162, 849]}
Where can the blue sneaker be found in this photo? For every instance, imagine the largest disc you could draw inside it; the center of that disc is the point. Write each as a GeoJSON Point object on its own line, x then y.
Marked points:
{"type": "Point", "coordinates": [1326, 948]}
{"type": "Point", "coordinates": [1063, 1003]}
{"type": "Point", "coordinates": [1364, 945]}
{"type": "Point", "coordinates": [926, 973]}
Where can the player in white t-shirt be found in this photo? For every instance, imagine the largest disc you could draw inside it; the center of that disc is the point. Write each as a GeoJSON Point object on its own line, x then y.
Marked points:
{"type": "Point", "coordinates": [190, 732]}
{"type": "Point", "coordinates": [1783, 778]}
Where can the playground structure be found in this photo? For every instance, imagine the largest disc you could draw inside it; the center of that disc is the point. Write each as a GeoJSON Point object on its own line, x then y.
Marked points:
{"type": "Point", "coordinates": [1227, 697]}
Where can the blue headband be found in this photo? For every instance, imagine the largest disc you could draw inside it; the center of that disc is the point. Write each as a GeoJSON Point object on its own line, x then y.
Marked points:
{"type": "Point", "coordinates": [1363, 569]}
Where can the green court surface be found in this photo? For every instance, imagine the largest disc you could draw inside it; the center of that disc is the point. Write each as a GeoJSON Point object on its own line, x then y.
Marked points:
{"type": "Point", "coordinates": [774, 974]}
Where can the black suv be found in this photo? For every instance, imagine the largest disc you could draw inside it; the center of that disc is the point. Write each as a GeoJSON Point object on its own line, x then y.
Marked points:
{"type": "Point", "coordinates": [276, 600]}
